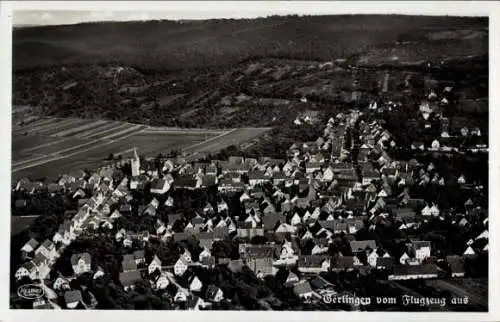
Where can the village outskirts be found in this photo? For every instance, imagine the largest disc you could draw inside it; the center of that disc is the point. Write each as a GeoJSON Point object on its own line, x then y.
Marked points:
{"type": "Point", "coordinates": [344, 216]}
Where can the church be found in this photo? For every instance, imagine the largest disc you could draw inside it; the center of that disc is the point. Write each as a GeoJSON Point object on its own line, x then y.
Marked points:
{"type": "Point", "coordinates": [136, 164]}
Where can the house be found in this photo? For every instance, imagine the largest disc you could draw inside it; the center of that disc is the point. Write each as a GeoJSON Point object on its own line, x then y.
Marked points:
{"type": "Point", "coordinates": [345, 263]}
{"type": "Point", "coordinates": [61, 283]}
{"type": "Point", "coordinates": [159, 186]}
{"type": "Point", "coordinates": [426, 211]}
{"type": "Point", "coordinates": [456, 266]}
{"type": "Point", "coordinates": [128, 263]}
{"type": "Point", "coordinates": [214, 294]}
{"type": "Point", "coordinates": [209, 180]}
{"type": "Point", "coordinates": [187, 255]}
{"type": "Point", "coordinates": [42, 264]}
{"type": "Point", "coordinates": [369, 176]}
{"type": "Point", "coordinates": [303, 290]}
{"type": "Point", "coordinates": [24, 184]}
{"type": "Point", "coordinates": [404, 259]}
{"type": "Point", "coordinates": [249, 251]}
{"type": "Point", "coordinates": [261, 266]}
{"type": "Point", "coordinates": [278, 177]}
{"type": "Point", "coordinates": [484, 234]}
{"type": "Point", "coordinates": [81, 263]}
{"type": "Point", "coordinates": [72, 298]}
{"type": "Point", "coordinates": [313, 263]}
{"type": "Point", "coordinates": [257, 177]}
{"type": "Point", "coordinates": [208, 262]}
{"type": "Point", "coordinates": [211, 170]}
{"type": "Point", "coordinates": [435, 145]}
{"type": "Point", "coordinates": [181, 296]}
{"type": "Point", "coordinates": [372, 258]}
{"type": "Point", "coordinates": [20, 203]}
{"type": "Point", "coordinates": [195, 284]}
{"type": "Point", "coordinates": [222, 206]}
{"type": "Point", "coordinates": [187, 182]}
{"type": "Point", "coordinates": [422, 249]}
{"type": "Point", "coordinates": [312, 167]}
{"type": "Point", "coordinates": [129, 278]}
{"type": "Point", "coordinates": [139, 257]}
{"type": "Point", "coordinates": [169, 202]}
{"type": "Point", "coordinates": [469, 252]}
{"type": "Point", "coordinates": [235, 266]}
{"type": "Point", "coordinates": [99, 273]}
{"type": "Point", "coordinates": [320, 247]}
{"type": "Point", "coordinates": [28, 269]}
{"type": "Point", "coordinates": [48, 249]}
{"type": "Point", "coordinates": [385, 262]}
{"type": "Point", "coordinates": [226, 186]}
{"type": "Point", "coordinates": [328, 174]}
{"type": "Point", "coordinates": [161, 281]}
{"type": "Point", "coordinates": [127, 241]}
{"type": "Point", "coordinates": [406, 272]}
{"type": "Point", "coordinates": [181, 266]}
{"type": "Point", "coordinates": [235, 160]}
{"type": "Point", "coordinates": [30, 246]}
{"type": "Point", "coordinates": [362, 245]}
{"type": "Point", "coordinates": [321, 285]}
{"type": "Point", "coordinates": [115, 215]}
{"type": "Point", "coordinates": [291, 279]}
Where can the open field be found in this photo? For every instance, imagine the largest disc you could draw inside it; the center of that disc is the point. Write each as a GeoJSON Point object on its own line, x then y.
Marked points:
{"type": "Point", "coordinates": [233, 137]}
{"type": "Point", "coordinates": [55, 146]}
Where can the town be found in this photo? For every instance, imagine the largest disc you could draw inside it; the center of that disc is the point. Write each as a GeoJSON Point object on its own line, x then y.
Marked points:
{"type": "Point", "coordinates": [351, 214]}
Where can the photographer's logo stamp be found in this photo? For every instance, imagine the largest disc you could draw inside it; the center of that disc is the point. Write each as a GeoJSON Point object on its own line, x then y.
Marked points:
{"type": "Point", "coordinates": [30, 291]}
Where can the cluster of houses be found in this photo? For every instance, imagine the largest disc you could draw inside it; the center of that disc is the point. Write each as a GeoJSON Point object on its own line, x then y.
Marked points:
{"type": "Point", "coordinates": [306, 212]}
{"type": "Point", "coordinates": [39, 259]}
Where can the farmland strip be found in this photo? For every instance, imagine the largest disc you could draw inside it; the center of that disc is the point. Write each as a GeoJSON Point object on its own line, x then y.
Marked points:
{"type": "Point", "coordinates": [125, 131]}
{"type": "Point", "coordinates": [102, 127]}
{"type": "Point", "coordinates": [61, 126]}
{"type": "Point", "coordinates": [31, 127]}
{"type": "Point", "coordinates": [79, 151]}
{"type": "Point", "coordinates": [211, 139]}
{"type": "Point", "coordinates": [45, 145]}
{"type": "Point", "coordinates": [114, 127]}
{"type": "Point", "coordinates": [80, 128]}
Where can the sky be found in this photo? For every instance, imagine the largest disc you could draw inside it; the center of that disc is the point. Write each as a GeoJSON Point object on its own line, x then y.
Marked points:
{"type": "Point", "coordinates": [72, 17]}
{"type": "Point", "coordinates": [59, 12]}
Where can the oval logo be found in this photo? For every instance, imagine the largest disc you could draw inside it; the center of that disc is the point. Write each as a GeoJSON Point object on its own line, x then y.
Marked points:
{"type": "Point", "coordinates": [30, 291]}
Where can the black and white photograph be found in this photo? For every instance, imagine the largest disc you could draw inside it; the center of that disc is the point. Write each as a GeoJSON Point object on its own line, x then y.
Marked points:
{"type": "Point", "coordinates": [249, 159]}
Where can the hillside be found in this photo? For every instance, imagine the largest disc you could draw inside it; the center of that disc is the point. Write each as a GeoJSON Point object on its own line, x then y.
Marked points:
{"type": "Point", "coordinates": [230, 73]}
{"type": "Point", "coordinates": [170, 45]}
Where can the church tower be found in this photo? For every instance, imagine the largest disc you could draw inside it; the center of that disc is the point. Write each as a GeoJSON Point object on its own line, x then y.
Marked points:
{"type": "Point", "coordinates": [136, 164]}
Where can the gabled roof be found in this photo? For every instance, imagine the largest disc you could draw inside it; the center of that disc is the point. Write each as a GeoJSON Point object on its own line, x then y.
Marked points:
{"type": "Point", "coordinates": [130, 277]}
{"type": "Point", "coordinates": [402, 270]}
{"type": "Point", "coordinates": [311, 260]}
{"type": "Point", "coordinates": [48, 244]}
{"type": "Point", "coordinates": [185, 182]}
{"type": "Point", "coordinates": [261, 251]}
{"type": "Point", "coordinates": [361, 245]}
{"type": "Point", "coordinates": [139, 254]}
{"type": "Point", "coordinates": [32, 243]}
{"type": "Point", "coordinates": [320, 283]}
{"type": "Point", "coordinates": [84, 256]}
{"type": "Point", "coordinates": [211, 292]}
{"type": "Point", "coordinates": [129, 265]}
{"type": "Point", "coordinates": [387, 262]}
{"type": "Point", "coordinates": [302, 288]}
{"type": "Point", "coordinates": [72, 296]}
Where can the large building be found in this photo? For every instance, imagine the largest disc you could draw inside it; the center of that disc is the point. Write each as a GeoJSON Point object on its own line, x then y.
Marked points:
{"type": "Point", "coordinates": [136, 164]}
